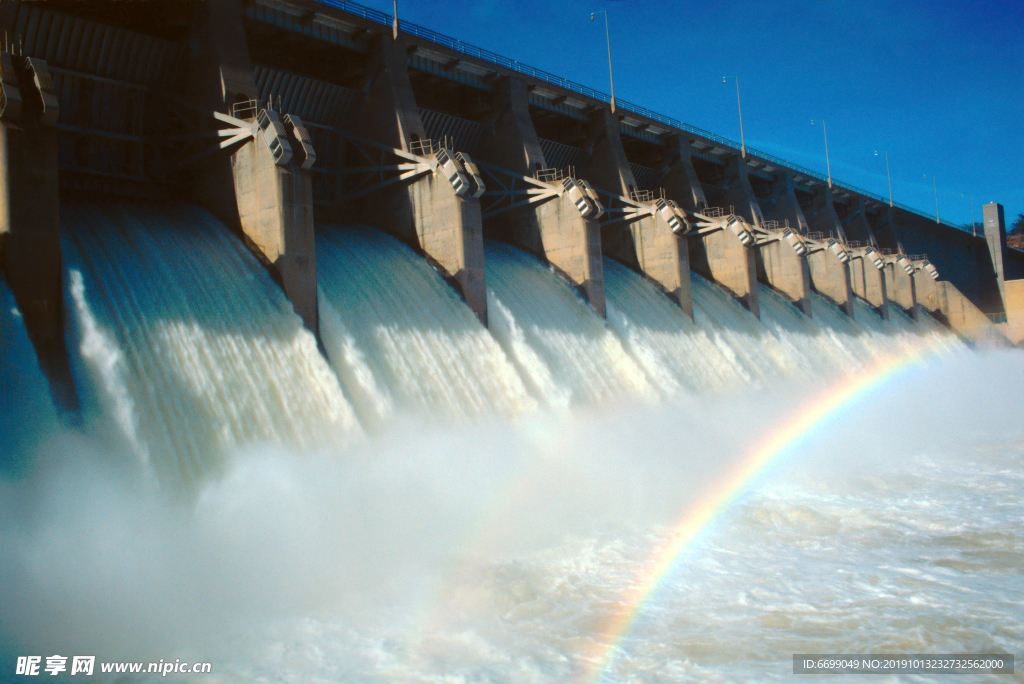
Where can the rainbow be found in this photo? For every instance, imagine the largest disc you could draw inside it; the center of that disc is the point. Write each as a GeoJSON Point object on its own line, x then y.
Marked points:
{"type": "Point", "coordinates": [808, 420]}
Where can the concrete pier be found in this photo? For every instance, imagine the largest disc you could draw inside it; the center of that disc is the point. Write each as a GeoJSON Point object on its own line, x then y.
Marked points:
{"type": "Point", "coordinates": [856, 225]}
{"type": "Point", "coordinates": [275, 210]}
{"type": "Point", "coordinates": [945, 301]}
{"type": "Point", "coordinates": [926, 290]}
{"type": "Point", "coordinates": [446, 228]}
{"type": "Point", "coordinates": [778, 265]}
{"type": "Point", "coordinates": [680, 180]}
{"type": "Point", "coordinates": [995, 238]}
{"type": "Point", "coordinates": [885, 230]}
{"type": "Point", "coordinates": [30, 215]}
{"type": "Point", "coordinates": [553, 230]}
{"type": "Point", "coordinates": [829, 276]}
{"type": "Point", "coordinates": [648, 243]}
{"type": "Point", "coordinates": [271, 205]}
{"type": "Point", "coordinates": [30, 199]}
{"type": "Point", "coordinates": [720, 255]}
{"type": "Point", "coordinates": [900, 288]}
{"type": "Point", "coordinates": [868, 281]}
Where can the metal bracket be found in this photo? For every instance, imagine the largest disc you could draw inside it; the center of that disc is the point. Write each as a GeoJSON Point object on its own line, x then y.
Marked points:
{"type": "Point", "coordinates": [410, 166]}
{"type": "Point", "coordinates": [514, 185]}
{"type": "Point", "coordinates": [476, 179]}
{"type": "Point", "coordinates": [630, 210]}
{"type": "Point", "coordinates": [302, 136]}
{"type": "Point", "coordinates": [274, 136]}
{"type": "Point", "coordinates": [238, 131]}
{"type": "Point", "coordinates": [706, 223]}
{"type": "Point", "coordinates": [47, 92]}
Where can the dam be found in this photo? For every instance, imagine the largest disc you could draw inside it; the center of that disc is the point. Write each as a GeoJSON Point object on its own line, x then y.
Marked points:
{"type": "Point", "coordinates": [227, 105]}
{"type": "Point", "coordinates": [334, 351]}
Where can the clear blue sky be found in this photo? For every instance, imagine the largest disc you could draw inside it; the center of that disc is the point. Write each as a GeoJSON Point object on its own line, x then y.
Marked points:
{"type": "Point", "coordinates": [939, 84]}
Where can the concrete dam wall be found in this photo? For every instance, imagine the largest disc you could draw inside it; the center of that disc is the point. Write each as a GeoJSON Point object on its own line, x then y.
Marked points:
{"type": "Point", "coordinates": [279, 118]}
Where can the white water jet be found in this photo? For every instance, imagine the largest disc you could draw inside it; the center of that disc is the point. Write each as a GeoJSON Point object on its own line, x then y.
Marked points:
{"type": "Point", "coordinates": [401, 339]}
{"type": "Point", "coordinates": [560, 346]}
{"type": "Point", "coordinates": [179, 337]}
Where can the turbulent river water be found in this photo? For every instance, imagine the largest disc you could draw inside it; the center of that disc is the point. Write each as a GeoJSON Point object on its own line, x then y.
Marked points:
{"type": "Point", "coordinates": [554, 498]}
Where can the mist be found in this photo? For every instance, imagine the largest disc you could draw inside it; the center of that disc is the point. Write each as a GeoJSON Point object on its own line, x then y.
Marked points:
{"type": "Point", "coordinates": [98, 561]}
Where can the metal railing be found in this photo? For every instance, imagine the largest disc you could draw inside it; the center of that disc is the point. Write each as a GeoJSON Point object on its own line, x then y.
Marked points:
{"type": "Point", "coordinates": [518, 67]}
{"type": "Point", "coordinates": [553, 175]}
{"type": "Point", "coordinates": [426, 146]}
{"type": "Point", "coordinates": [718, 212]}
{"type": "Point", "coordinates": [245, 109]}
{"type": "Point", "coordinates": [776, 225]}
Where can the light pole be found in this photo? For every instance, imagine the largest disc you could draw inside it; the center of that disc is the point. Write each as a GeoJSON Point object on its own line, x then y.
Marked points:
{"type": "Point", "coordinates": [608, 40]}
{"type": "Point", "coordinates": [827, 165]}
{"type": "Point", "coordinates": [394, 25]}
{"type": "Point", "coordinates": [743, 147]}
{"type": "Point", "coordinates": [887, 175]}
{"type": "Point", "coordinates": [936, 189]}
{"type": "Point", "coordinates": [974, 227]}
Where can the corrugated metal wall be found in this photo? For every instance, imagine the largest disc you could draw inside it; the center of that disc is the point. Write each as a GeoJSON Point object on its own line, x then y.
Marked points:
{"type": "Point", "coordinates": [463, 136]}
{"type": "Point", "coordinates": [715, 196]}
{"type": "Point", "coordinates": [646, 177]}
{"type": "Point", "coordinates": [311, 100]}
{"type": "Point", "coordinates": [84, 46]}
{"type": "Point", "coordinates": [101, 126]}
{"type": "Point", "coordinates": [559, 156]}
{"type": "Point", "coordinates": [105, 78]}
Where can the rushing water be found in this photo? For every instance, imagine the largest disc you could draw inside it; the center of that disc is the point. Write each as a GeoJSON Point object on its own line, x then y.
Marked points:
{"type": "Point", "coordinates": [449, 503]}
{"type": "Point", "coordinates": [181, 338]}
{"type": "Point", "coordinates": [401, 338]}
